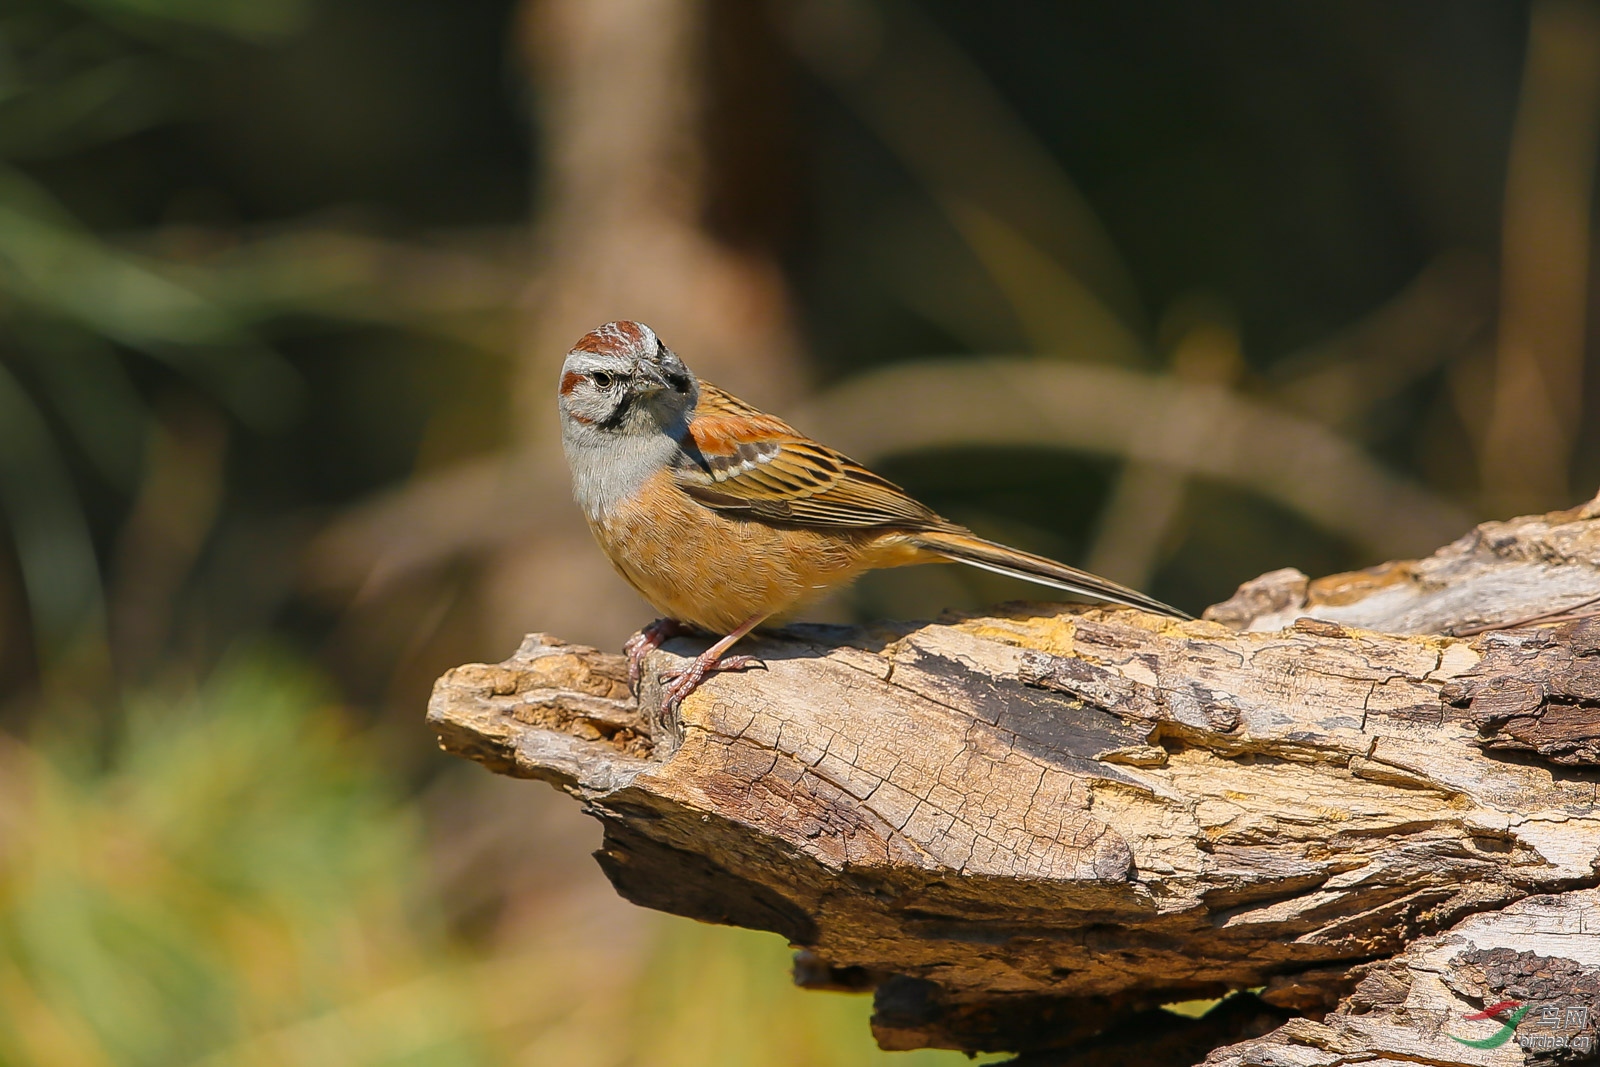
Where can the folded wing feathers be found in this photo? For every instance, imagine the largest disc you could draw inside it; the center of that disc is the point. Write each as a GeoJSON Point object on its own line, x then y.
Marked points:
{"type": "Point", "coordinates": [788, 478]}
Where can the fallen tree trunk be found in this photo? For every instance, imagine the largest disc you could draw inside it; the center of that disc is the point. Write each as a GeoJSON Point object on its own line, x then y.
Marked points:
{"type": "Point", "coordinates": [1025, 829]}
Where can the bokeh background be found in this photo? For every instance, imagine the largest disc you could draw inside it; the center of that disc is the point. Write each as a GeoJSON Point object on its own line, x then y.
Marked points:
{"type": "Point", "coordinates": [1178, 291]}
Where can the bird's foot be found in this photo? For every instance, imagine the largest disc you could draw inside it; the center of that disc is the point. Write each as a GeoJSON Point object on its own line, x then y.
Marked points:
{"type": "Point", "coordinates": [647, 641]}
{"type": "Point", "coordinates": [679, 682]}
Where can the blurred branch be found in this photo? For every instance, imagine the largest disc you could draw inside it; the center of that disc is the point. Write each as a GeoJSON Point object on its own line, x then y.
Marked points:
{"type": "Point", "coordinates": [250, 20]}
{"type": "Point", "coordinates": [935, 109]}
{"type": "Point", "coordinates": [1058, 313]}
{"type": "Point", "coordinates": [461, 285]}
{"type": "Point", "coordinates": [473, 508]}
{"type": "Point", "coordinates": [82, 377]}
{"type": "Point", "coordinates": [1147, 498]}
{"type": "Point", "coordinates": [48, 525]}
{"type": "Point", "coordinates": [1538, 392]}
{"type": "Point", "coordinates": [1427, 324]}
{"type": "Point", "coordinates": [1118, 412]}
{"type": "Point", "coordinates": [1336, 381]}
{"type": "Point", "coordinates": [174, 511]}
{"type": "Point", "coordinates": [85, 108]}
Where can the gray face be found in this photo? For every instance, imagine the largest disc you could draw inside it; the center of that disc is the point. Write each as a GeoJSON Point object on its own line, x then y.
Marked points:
{"type": "Point", "coordinates": [621, 380]}
{"type": "Point", "coordinates": [625, 405]}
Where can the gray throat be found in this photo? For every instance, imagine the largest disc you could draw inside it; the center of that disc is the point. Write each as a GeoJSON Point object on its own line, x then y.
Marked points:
{"type": "Point", "coordinates": [609, 468]}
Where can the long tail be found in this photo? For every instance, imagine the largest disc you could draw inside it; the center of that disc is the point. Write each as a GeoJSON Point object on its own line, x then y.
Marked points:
{"type": "Point", "coordinates": [976, 552]}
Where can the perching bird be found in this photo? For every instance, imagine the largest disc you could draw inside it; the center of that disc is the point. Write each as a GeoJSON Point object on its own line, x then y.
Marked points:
{"type": "Point", "coordinates": [724, 517]}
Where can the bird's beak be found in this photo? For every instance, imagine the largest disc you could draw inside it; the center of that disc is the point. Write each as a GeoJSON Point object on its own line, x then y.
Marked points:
{"type": "Point", "coordinates": [646, 379]}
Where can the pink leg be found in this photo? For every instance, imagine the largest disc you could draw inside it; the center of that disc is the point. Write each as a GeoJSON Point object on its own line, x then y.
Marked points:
{"type": "Point", "coordinates": [680, 683]}
{"type": "Point", "coordinates": [647, 641]}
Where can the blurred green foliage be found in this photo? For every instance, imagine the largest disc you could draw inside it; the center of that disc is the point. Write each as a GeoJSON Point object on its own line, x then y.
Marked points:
{"type": "Point", "coordinates": [719, 998]}
{"type": "Point", "coordinates": [234, 864]}
{"type": "Point", "coordinates": [76, 310]}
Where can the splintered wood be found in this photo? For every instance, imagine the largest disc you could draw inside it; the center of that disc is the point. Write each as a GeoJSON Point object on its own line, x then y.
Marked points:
{"type": "Point", "coordinates": [1025, 827]}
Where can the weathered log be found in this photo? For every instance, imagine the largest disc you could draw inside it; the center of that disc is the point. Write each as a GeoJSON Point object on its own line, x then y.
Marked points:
{"type": "Point", "coordinates": [1519, 985]}
{"type": "Point", "coordinates": [1023, 829]}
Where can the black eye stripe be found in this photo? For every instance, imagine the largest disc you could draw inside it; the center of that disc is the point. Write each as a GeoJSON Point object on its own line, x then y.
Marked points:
{"type": "Point", "coordinates": [613, 420]}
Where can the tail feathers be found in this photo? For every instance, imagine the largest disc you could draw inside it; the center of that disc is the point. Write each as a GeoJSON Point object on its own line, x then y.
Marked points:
{"type": "Point", "coordinates": [987, 555]}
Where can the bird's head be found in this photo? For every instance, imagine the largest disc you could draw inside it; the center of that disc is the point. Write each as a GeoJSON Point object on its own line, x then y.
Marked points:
{"type": "Point", "coordinates": [620, 379]}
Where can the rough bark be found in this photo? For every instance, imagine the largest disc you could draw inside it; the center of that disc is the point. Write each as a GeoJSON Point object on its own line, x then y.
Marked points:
{"type": "Point", "coordinates": [1541, 953]}
{"type": "Point", "coordinates": [1025, 829]}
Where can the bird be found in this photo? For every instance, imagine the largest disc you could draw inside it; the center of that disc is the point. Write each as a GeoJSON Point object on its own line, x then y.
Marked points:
{"type": "Point", "coordinates": [724, 517]}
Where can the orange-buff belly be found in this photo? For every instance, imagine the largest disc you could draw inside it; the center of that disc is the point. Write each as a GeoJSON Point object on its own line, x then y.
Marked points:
{"type": "Point", "coordinates": [716, 572]}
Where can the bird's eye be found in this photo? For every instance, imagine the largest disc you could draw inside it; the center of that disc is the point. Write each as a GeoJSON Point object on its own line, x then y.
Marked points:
{"type": "Point", "coordinates": [602, 379]}
{"type": "Point", "coordinates": [679, 382]}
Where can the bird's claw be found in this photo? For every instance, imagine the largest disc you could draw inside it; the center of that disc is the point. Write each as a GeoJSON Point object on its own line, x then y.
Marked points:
{"type": "Point", "coordinates": [647, 641]}
{"type": "Point", "coordinates": [678, 682]}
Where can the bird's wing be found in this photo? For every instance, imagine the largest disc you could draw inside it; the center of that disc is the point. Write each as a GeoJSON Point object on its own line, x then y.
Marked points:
{"type": "Point", "coordinates": [739, 460]}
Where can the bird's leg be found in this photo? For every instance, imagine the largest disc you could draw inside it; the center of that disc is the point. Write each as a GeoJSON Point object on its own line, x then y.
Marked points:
{"type": "Point", "coordinates": [680, 682]}
{"type": "Point", "coordinates": [647, 641]}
